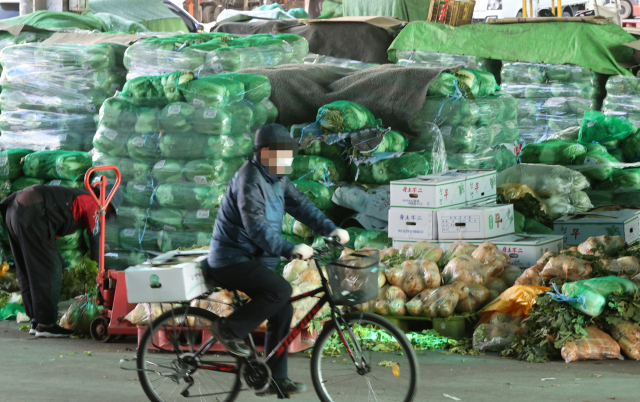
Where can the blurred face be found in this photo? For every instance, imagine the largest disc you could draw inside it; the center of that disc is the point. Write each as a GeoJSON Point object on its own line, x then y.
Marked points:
{"type": "Point", "coordinates": [277, 161]}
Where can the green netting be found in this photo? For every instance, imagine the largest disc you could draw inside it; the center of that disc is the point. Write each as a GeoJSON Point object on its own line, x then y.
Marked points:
{"type": "Point", "coordinates": [138, 239]}
{"type": "Point", "coordinates": [318, 193]}
{"type": "Point", "coordinates": [392, 141]}
{"type": "Point", "coordinates": [23, 182]}
{"type": "Point", "coordinates": [596, 165]}
{"type": "Point", "coordinates": [130, 170]}
{"type": "Point", "coordinates": [11, 163]}
{"type": "Point", "coordinates": [157, 89]}
{"type": "Point", "coordinates": [382, 172]}
{"type": "Point", "coordinates": [189, 196]}
{"type": "Point", "coordinates": [72, 241]}
{"type": "Point", "coordinates": [346, 116]}
{"type": "Point", "coordinates": [596, 292]}
{"type": "Point", "coordinates": [596, 127]}
{"type": "Point", "coordinates": [166, 219]}
{"type": "Point", "coordinates": [115, 23]}
{"type": "Point", "coordinates": [56, 19]}
{"type": "Point", "coordinates": [152, 14]}
{"type": "Point", "coordinates": [167, 170]}
{"type": "Point", "coordinates": [213, 91]}
{"type": "Point", "coordinates": [171, 240]}
{"type": "Point", "coordinates": [219, 171]}
{"type": "Point", "coordinates": [63, 165]}
{"type": "Point", "coordinates": [552, 153]}
{"type": "Point", "coordinates": [372, 238]}
{"type": "Point", "coordinates": [175, 116]}
{"type": "Point", "coordinates": [120, 260]}
{"type": "Point", "coordinates": [315, 168]}
{"type": "Point", "coordinates": [202, 220]}
{"type": "Point", "coordinates": [595, 47]}
{"type": "Point", "coordinates": [256, 87]}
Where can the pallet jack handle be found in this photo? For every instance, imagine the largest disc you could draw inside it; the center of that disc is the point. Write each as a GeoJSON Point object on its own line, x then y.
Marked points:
{"type": "Point", "coordinates": [102, 203]}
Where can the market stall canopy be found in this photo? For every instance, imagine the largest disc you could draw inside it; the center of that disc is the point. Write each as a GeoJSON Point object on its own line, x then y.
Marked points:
{"type": "Point", "coordinates": [407, 10]}
{"type": "Point", "coordinates": [152, 14]}
{"type": "Point", "coordinates": [351, 40]}
{"type": "Point", "coordinates": [596, 47]}
{"type": "Point", "coordinates": [392, 93]}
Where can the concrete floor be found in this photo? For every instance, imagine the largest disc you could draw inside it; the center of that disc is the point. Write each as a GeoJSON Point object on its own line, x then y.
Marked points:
{"type": "Point", "coordinates": [60, 370]}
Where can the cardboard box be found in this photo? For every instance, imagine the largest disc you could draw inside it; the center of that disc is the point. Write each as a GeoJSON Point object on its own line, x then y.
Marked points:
{"type": "Point", "coordinates": [525, 250]}
{"type": "Point", "coordinates": [413, 223]}
{"type": "Point", "coordinates": [480, 185]}
{"type": "Point", "coordinates": [429, 192]}
{"type": "Point", "coordinates": [576, 229]}
{"type": "Point", "coordinates": [475, 222]}
{"type": "Point", "coordinates": [181, 282]}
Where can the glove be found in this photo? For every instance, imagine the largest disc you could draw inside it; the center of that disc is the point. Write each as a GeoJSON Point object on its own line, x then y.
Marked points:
{"type": "Point", "coordinates": [341, 234]}
{"type": "Point", "coordinates": [302, 251]}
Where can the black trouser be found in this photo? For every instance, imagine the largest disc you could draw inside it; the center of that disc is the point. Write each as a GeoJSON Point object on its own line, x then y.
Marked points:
{"type": "Point", "coordinates": [38, 265]}
{"type": "Point", "coordinates": [269, 295]}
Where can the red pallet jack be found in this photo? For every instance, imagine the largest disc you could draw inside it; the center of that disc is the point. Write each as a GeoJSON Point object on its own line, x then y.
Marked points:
{"type": "Point", "coordinates": [113, 299]}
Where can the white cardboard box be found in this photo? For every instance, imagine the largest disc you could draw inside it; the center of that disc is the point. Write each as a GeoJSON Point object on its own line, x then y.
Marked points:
{"type": "Point", "coordinates": [181, 282]}
{"type": "Point", "coordinates": [578, 228]}
{"type": "Point", "coordinates": [475, 222]}
{"type": "Point", "coordinates": [430, 192]}
{"type": "Point", "coordinates": [480, 185]}
{"type": "Point", "coordinates": [525, 250]}
{"type": "Point", "coordinates": [413, 223]}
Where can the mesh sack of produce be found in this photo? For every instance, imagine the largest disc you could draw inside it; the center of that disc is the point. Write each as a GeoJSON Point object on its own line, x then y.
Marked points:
{"type": "Point", "coordinates": [299, 45]}
{"type": "Point", "coordinates": [171, 240]}
{"type": "Point", "coordinates": [167, 219]}
{"type": "Point", "coordinates": [117, 113]}
{"type": "Point", "coordinates": [140, 194]}
{"type": "Point", "coordinates": [189, 196]}
{"type": "Point", "coordinates": [556, 152]}
{"type": "Point", "coordinates": [168, 170]}
{"type": "Point", "coordinates": [157, 90]}
{"type": "Point", "coordinates": [237, 117]}
{"type": "Point", "coordinates": [316, 168]}
{"type": "Point", "coordinates": [218, 171]}
{"type": "Point", "coordinates": [628, 337]}
{"type": "Point", "coordinates": [596, 165]}
{"type": "Point", "coordinates": [346, 116]}
{"type": "Point", "coordinates": [599, 128]}
{"type": "Point", "coordinates": [318, 193]}
{"type": "Point", "coordinates": [11, 163]}
{"type": "Point", "coordinates": [621, 99]}
{"type": "Point", "coordinates": [592, 295]}
{"type": "Point", "coordinates": [495, 337]}
{"type": "Point", "coordinates": [201, 220]}
{"type": "Point", "coordinates": [23, 182]}
{"type": "Point", "coordinates": [384, 167]}
{"type": "Point", "coordinates": [121, 259]}
{"type": "Point", "coordinates": [63, 165]}
{"type": "Point", "coordinates": [130, 170]}
{"type": "Point", "coordinates": [434, 60]}
{"type": "Point", "coordinates": [178, 146]}
{"type": "Point", "coordinates": [80, 314]}
{"type": "Point", "coordinates": [438, 302]}
{"type": "Point", "coordinates": [595, 345]}
{"type": "Point", "coordinates": [140, 239]}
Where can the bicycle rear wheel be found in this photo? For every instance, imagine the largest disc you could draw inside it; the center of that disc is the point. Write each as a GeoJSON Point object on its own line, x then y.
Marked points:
{"type": "Point", "coordinates": [167, 364]}
{"type": "Point", "coordinates": [385, 369]}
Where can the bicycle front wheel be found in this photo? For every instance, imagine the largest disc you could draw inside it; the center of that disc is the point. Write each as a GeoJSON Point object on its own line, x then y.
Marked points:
{"type": "Point", "coordinates": [379, 364]}
{"type": "Point", "coordinates": [170, 368]}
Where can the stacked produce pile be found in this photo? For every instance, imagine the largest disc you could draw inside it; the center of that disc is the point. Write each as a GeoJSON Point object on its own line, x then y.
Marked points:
{"type": "Point", "coordinates": [592, 313]}
{"type": "Point", "coordinates": [313, 58]}
{"type": "Point", "coordinates": [541, 193]}
{"type": "Point", "coordinates": [417, 58]}
{"type": "Point", "coordinates": [622, 98]}
{"type": "Point", "coordinates": [7, 39]}
{"type": "Point", "coordinates": [177, 141]}
{"type": "Point", "coordinates": [413, 284]}
{"type": "Point", "coordinates": [52, 93]}
{"type": "Point", "coordinates": [479, 127]}
{"type": "Point", "coordinates": [550, 97]}
{"type": "Point", "coordinates": [212, 53]}
{"type": "Point", "coordinates": [604, 149]}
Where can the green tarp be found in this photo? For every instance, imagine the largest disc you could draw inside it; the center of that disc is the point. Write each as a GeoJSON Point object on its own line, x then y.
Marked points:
{"type": "Point", "coordinates": [596, 47]}
{"type": "Point", "coordinates": [152, 14]}
{"type": "Point", "coordinates": [56, 19]}
{"type": "Point", "coordinates": [407, 10]}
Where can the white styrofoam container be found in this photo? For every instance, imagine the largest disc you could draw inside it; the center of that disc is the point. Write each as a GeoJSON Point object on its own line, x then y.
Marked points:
{"type": "Point", "coordinates": [475, 222]}
{"type": "Point", "coordinates": [429, 192]}
{"type": "Point", "coordinates": [525, 250]}
{"type": "Point", "coordinates": [181, 282]}
{"type": "Point", "coordinates": [578, 228]}
{"type": "Point", "coordinates": [480, 185]}
{"type": "Point", "coordinates": [412, 223]}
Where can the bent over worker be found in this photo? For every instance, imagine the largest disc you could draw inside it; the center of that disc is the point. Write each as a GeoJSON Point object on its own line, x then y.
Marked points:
{"type": "Point", "coordinates": [35, 217]}
{"type": "Point", "coordinates": [246, 246]}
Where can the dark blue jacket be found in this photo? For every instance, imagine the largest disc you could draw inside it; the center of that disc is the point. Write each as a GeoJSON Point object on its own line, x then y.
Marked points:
{"type": "Point", "coordinates": [249, 222]}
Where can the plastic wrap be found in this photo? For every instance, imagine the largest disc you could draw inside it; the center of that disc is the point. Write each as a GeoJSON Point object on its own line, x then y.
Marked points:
{"type": "Point", "coordinates": [595, 293]}
{"type": "Point", "coordinates": [437, 60]}
{"type": "Point", "coordinates": [212, 53]}
{"type": "Point", "coordinates": [628, 337]}
{"type": "Point", "coordinates": [51, 93]}
{"type": "Point", "coordinates": [414, 276]}
{"type": "Point", "coordinates": [439, 302]}
{"type": "Point", "coordinates": [567, 268]}
{"type": "Point", "coordinates": [11, 163]}
{"type": "Point", "coordinates": [422, 250]}
{"type": "Point", "coordinates": [550, 97]}
{"type": "Point", "coordinates": [495, 337]}
{"type": "Point", "coordinates": [456, 249]}
{"type": "Point", "coordinates": [596, 345]}
{"type": "Point", "coordinates": [80, 314]}
{"type": "Point", "coordinates": [144, 313]}
{"type": "Point", "coordinates": [466, 269]}
{"type": "Point", "coordinates": [622, 99]}
{"type": "Point", "coordinates": [609, 244]}
{"type": "Point", "coordinates": [313, 58]}
{"type": "Point", "coordinates": [63, 165]}
{"type": "Point", "coordinates": [488, 253]}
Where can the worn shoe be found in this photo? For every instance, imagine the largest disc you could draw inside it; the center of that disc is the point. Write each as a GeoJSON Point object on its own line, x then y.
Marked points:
{"type": "Point", "coordinates": [287, 387]}
{"type": "Point", "coordinates": [52, 331]}
{"type": "Point", "coordinates": [232, 343]}
{"type": "Point", "coordinates": [34, 326]}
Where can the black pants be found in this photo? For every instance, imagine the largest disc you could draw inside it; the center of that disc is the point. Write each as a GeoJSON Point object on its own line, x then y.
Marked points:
{"type": "Point", "coordinates": [38, 265]}
{"type": "Point", "coordinates": [269, 295]}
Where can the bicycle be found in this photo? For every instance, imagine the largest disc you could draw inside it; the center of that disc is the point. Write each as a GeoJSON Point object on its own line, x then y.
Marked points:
{"type": "Point", "coordinates": [362, 349]}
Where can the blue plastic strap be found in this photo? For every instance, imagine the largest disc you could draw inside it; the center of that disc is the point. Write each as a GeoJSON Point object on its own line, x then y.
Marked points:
{"type": "Point", "coordinates": [559, 297]}
{"type": "Point", "coordinates": [182, 47]}
{"type": "Point", "coordinates": [457, 95]}
{"type": "Point", "coordinates": [150, 183]}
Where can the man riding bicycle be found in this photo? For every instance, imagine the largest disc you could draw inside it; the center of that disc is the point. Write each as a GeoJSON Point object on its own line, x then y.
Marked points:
{"type": "Point", "coordinates": [246, 247]}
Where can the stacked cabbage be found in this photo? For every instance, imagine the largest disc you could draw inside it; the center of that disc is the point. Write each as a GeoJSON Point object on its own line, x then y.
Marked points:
{"type": "Point", "coordinates": [51, 93]}
{"type": "Point", "coordinates": [550, 97]}
{"type": "Point", "coordinates": [212, 53]}
{"type": "Point", "coordinates": [177, 141]}
{"type": "Point", "coordinates": [416, 58]}
{"type": "Point", "coordinates": [622, 98]}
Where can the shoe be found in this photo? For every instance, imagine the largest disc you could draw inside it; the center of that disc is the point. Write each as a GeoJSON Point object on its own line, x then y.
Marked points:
{"type": "Point", "coordinates": [52, 331]}
{"type": "Point", "coordinates": [34, 326]}
{"type": "Point", "coordinates": [287, 387]}
{"type": "Point", "coordinates": [232, 343]}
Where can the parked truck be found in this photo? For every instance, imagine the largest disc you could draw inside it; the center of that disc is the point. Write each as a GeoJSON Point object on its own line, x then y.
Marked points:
{"type": "Point", "coordinates": [487, 9]}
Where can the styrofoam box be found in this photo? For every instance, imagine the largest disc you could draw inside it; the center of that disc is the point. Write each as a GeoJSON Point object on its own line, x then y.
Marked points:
{"type": "Point", "coordinates": [412, 223]}
{"type": "Point", "coordinates": [430, 192]}
{"type": "Point", "coordinates": [475, 222]}
{"type": "Point", "coordinates": [578, 228]}
{"type": "Point", "coordinates": [525, 250]}
{"type": "Point", "coordinates": [181, 282]}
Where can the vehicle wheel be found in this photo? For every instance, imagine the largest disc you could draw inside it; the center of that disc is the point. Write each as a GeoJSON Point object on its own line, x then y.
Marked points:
{"type": "Point", "coordinates": [519, 15]}
{"type": "Point", "coordinates": [567, 12]}
{"type": "Point", "coordinates": [382, 365]}
{"type": "Point", "coordinates": [166, 360]}
{"type": "Point", "coordinates": [99, 330]}
{"type": "Point", "coordinates": [626, 9]}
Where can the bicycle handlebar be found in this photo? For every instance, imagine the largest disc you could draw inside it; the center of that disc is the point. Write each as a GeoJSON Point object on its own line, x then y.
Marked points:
{"type": "Point", "coordinates": [319, 252]}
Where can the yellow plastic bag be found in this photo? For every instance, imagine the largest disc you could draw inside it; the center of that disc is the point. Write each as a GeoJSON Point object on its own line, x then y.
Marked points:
{"type": "Point", "coordinates": [517, 301]}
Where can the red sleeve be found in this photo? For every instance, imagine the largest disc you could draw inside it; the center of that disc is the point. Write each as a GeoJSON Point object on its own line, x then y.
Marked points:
{"type": "Point", "coordinates": [84, 210]}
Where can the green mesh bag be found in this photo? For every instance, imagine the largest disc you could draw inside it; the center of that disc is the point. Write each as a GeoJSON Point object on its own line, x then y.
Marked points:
{"type": "Point", "coordinates": [319, 194]}
{"type": "Point", "coordinates": [140, 238]}
{"type": "Point", "coordinates": [147, 121]}
{"type": "Point", "coordinates": [120, 260]}
{"type": "Point", "coordinates": [110, 141]}
{"type": "Point", "coordinates": [478, 82]}
{"type": "Point", "coordinates": [392, 141]}
{"type": "Point", "coordinates": [444, 85]}
{"type": "Point", "coordinates": [341, 116]}
{"type": "Point", "coordinates": [11, 163]}
{"type": "Point", "coordinates": [219, 171]}
{"type": "Point", "coordinates": [299, 45]}
{"type": "Point", "coordinates": [382, 172]}
{"type": "Point", "coordinates": [596, 127]}
{"type": "Point", "coordinates": [23, 182]}
{"type": "Point", "coordinates": [130, 170]}
{"type": "Point", "coordinates": [167, 170]}
{"type": "Point", "coordinates": [117, 113]}
{"type": "Point", "coordinates": [72, 241]}
{"type": "Point", "coordinates": [202, 220]}
{"type": "Point", "coordinates": [256, 87]}
{"type": "Point", "coordinates": [372, 238]}
{"type": "Point", "coordinates": [175, 117]}
{"type": "Point", "coordinates": [139, 194]}
{"type": "Point", "coordinates": [315, 168]}
{"type": "Point", "coordinates": [166, 218]}
{"type": "Point", "coordinates": [156, 90]}
{"type": "Point", "coordinates": [171, 240]}
{"type": "Point", "coordinates": [552, 152]}
{"type": "Point", "coordinates": [63, 165]}
{"type": "Point", "coordinates": [595, 165]}
{"type": "Point", "coordinates": [189, 196]}
{"type": "Point", "coordinates": [213, 91]}
{"type": "Point", "coordinates": [144, 148]}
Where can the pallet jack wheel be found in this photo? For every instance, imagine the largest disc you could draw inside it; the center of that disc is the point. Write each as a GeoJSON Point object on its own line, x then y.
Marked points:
{"type": "Point", "coordinates": [100, 330]}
